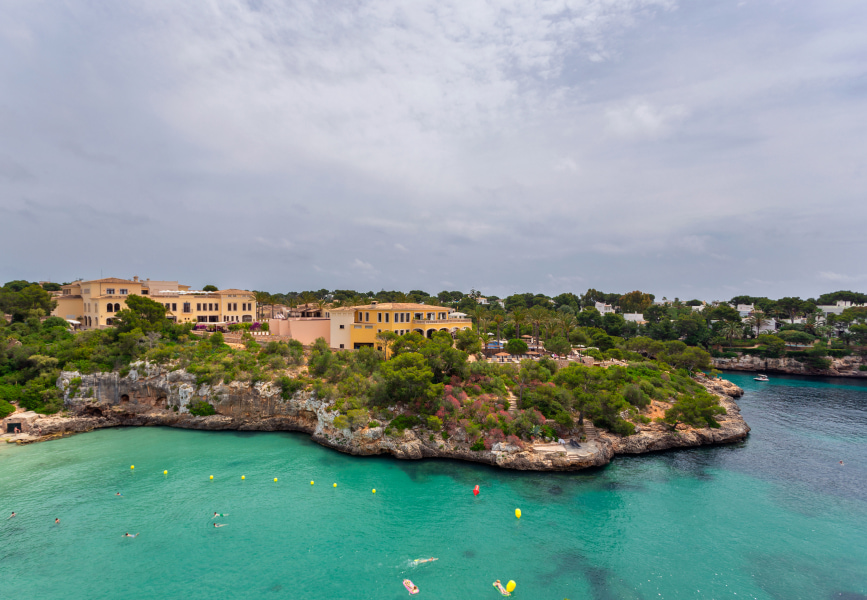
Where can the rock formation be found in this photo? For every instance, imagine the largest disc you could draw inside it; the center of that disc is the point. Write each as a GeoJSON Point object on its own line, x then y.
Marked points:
{"type": "Point", "coordinates": [151, 396]}
{"type": "Point", "coordinates": [848, 366]}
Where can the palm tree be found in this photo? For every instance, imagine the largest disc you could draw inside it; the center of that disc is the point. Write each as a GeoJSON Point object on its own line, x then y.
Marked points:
{"type": "Point", "coordinates": [732, 329]}
{"type": "Point", "coordinates": [498, 318]}
{"type": "Point", "coordinates": [261, 298]}
{"type": "Point", "coordinates": [537, 316]}
{"type": "Point", "coordinates": [518, 316]}
{"type": "Point", "coordinates": [757, 320]}
{"type": "Point", "coordinates": [567, 322]}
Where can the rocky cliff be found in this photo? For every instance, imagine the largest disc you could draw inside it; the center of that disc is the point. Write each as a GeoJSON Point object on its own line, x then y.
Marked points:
{"type": "Point", "coordinates": [848, 366]}
{"type": "Point", "coordinates": [150, 395]}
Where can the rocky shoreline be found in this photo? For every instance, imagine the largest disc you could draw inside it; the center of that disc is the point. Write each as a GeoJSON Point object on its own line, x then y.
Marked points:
{"type": "Point", "coordinates": [848, 366]}
{"type": "Point", "coordinates": [152, 396]}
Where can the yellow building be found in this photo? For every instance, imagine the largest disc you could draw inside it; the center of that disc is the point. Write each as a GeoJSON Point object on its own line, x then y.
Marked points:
{"type": "Point", "coordinates": [357, 326]}
{"type": "Point", "coordinates": [94, 303]}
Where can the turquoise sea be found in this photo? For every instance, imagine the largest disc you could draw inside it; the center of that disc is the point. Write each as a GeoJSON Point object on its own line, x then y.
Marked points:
{"type": "Point", "coordinates": [775, 517]}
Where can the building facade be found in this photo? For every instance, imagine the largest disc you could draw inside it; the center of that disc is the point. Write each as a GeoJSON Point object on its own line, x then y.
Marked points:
{"type": "Point", "coordinates": [358, 326]}
{"type": "Point", "coordinates": [94, 303]}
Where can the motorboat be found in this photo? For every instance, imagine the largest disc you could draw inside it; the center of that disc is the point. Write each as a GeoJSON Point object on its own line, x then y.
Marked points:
{"type": "Point", "coordinates": [761, 378]}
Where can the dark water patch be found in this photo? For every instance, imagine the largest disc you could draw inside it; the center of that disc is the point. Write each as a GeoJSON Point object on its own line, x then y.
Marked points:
{"type": "Point", "coordinates": [555, 490]}
{"type": "Point", "coordinates": [604, 583]}
{"type": "Point", "coordinates": [469, 553]}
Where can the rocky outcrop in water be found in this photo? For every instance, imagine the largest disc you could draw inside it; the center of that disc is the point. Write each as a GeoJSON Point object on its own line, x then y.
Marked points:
{"type": "Point", "coordinates": [848, 366]}
{"type": "Point", "coordinates": [152, 396]}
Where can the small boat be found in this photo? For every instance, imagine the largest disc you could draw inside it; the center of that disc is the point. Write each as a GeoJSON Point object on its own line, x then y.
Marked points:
{"type": "Point", "coordinates": [761, 378]}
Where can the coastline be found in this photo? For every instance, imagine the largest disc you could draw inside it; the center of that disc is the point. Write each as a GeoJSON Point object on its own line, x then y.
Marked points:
{"type": "Point", "coordinates": [149, 397]}
{"type": "Point", "coordinates": [848, 366]}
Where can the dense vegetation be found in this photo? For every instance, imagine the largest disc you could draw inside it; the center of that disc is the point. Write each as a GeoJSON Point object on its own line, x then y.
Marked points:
{"type": "Point", "coordinates": [429, 382]}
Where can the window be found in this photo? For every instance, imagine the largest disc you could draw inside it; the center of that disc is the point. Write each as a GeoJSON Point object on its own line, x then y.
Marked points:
{"type": "Point", "coordinates": [198, 306]}
{"type": "Point", "coordinates": [379, 317]}
{"type": "Point", "coordinates": [187, 307]}
{"type": "Point", "coordinates": [386, 317]}
{"type": "Point", "coordinates": [124, 291]}
{"type": "Point", "coordinates": [367, 316]}
{"type": "Point", "coordinates": [418, 316]}
{"type": "Point", "coordinates": [341, 345]}
{"type": "Point", "coordinates": [109, 291]}
{"type": "Point", "coordinates": [202, 319]}
{"type": "Point", "coordinates": [174, 306]}
{"type": "Point", "coordinates": [341, 326]}
{"type": "Point", "coordinates": [144, 292]}
{"type": "Point", "coordinates": [167, 305]}
{"type": "Point", "coordinates": [108, 307]}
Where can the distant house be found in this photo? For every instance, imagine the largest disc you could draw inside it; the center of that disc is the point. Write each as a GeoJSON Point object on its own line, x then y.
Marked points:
{"type": "Point", "coordinates": [603, 308]}
{"type": "Point", "coordinates": [744, 310]}
{"type": "Point", "coordinates": [634, 318]}
{"type": "Point", "coordinates": [836, 309]}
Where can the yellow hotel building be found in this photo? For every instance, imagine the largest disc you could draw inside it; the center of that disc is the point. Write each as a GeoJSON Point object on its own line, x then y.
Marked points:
{"type": "Point", "coordinates": [357, 326]}
{"type": "Point", "coordinates": [94, 303]}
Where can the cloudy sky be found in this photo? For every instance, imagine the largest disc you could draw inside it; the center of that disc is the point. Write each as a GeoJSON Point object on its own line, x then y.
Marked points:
{"type": "Point", "coordinates": [692, 148]}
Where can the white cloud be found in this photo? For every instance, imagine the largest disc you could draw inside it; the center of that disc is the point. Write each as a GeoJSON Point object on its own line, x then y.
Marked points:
{"type": "Point", "coordinates": [637, 118]}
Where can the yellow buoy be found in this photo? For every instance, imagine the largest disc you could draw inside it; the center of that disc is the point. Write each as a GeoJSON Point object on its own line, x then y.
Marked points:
{"type": "Point", "coordinates": [212, 476]}
{"type": "Point", "coordinates": [311, 483]}
{"type": "Point", "coordinates": [132, 466]}
{"type": "Point", "coordinates": [242, 477]}
{"type": "Point", "coordinates": [275, 480]}
{"type": "Point", "coordinates": [374, 491]}
{"type": "Point", "coordinates": [510, 587]}
{"type": "Point", "coordinates": [335, 485]}
{"type": "Point", "coordinates": [165, 472]}
{"type": "Point", "coordinates": [518, 512]}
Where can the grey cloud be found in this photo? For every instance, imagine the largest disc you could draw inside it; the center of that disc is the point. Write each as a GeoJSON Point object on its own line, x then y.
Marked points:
{"type": "Point", "coordinates": [680, 148]}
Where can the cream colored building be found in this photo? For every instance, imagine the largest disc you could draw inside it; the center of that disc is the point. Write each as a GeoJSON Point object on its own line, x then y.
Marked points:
{"type": "Point", "coordinates": [94, 303]}
{"type": "Point", "coordinates": [357, 326]}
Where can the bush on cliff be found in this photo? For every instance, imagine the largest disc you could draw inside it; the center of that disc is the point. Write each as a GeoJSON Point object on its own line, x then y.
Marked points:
{"type": "Point", "coordinates": [695, 410]}
{"type": "Point", "coordinates": [202, 409]}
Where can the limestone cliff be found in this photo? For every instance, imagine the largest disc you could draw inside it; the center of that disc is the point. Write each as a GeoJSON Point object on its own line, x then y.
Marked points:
{"type": "Point", "coordinates": [150, 395]}
{"type": "Point", "coordinates": [848, 366]}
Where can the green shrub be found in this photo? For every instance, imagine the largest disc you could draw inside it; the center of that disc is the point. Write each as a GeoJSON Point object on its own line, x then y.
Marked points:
{"type": "Point", "coordinates": [434, 423]}
{"type": "Point", "coordinates": [6, 409]}
{"type": "Point", "coordinates": [478, 446]}
{"type": "Point", "coordinates": [446, 435]}
{"type": "Point", "coordinates": [202, 409]}
{"type": "Point", "coordinates": [401, 422]}
{"type": "Point", "coordinates": [341, 422]}
{"type": "Point", "coordinates": [862, 367]}
{"type": "Point", "coordinates": [289, 386]}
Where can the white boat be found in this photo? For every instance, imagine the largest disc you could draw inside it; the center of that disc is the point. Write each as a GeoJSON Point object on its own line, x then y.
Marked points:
{"type": "Point", "coordinates": [761, 378]}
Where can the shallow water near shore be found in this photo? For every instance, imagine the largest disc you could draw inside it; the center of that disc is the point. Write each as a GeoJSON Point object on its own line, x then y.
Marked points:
{"type": "Point", "coordinates": [773, 517]}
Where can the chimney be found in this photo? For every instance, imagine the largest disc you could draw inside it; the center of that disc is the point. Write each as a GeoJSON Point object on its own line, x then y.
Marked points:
{"type": "Point", "coordinates": [135, 277]}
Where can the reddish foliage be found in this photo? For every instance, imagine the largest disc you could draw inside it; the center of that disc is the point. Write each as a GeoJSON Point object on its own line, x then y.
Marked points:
{"type": "Point", "coordinates": [513, 439]}
{"type": "Point", "coordinates": [441, 413]}
{"type": "Point", "coordinates": [453, 403]}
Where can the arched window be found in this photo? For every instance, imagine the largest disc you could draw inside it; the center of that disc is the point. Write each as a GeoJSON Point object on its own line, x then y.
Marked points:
{"type": "Point", "coordinates": [117, 307]}
{"type": "Point", "coordinates": [108, 307]}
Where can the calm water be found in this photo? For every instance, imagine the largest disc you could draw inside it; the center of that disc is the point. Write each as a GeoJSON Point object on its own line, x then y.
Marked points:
{"type": "Point", "coordinates": [775, 517]}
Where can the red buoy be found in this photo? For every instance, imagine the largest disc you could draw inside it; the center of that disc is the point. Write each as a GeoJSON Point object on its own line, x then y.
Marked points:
{"type": "Point", "coordinates": [476, 491]}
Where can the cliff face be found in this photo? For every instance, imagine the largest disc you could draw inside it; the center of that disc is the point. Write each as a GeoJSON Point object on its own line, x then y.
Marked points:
{"type": "Point", "coordinates": [848, 366]}
{"type": "Point", "coordinates": [150, 395]}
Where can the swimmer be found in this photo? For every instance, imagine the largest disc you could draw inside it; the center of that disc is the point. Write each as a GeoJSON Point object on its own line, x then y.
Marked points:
{"type": "Point", "coordinates": [220, 515]}
{"type": "Point", "coordinates": [10, 516]}
{"type": "Point", "coordinates": [841, 463]}
{"type": "Point", "coordinates": [424, 560]}
{"type": "Point", "coordinates": [118, 494]}
{"type": "Point", "coordinates": [219, 524]}
{"type": "Point", "coordinates": [57, 521]}
{"type": "Point", "coordinates": [127, 534]}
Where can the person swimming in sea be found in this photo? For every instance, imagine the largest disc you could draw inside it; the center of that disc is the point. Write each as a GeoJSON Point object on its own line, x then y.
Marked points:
{"type": "Point", "coordinates": [10, 516]}
{"type": "Point", "coordinates": [57, 521]}
{"type": "Point", "coordinates": [424, 560]}
{"type": "Point", "coordinates": [128, 534]}
{"type": "Point", "coordinates": [118, 494]}
{"type": "Point", "coordinates": [220, 515]}
{"type": "Point", "coordinates": [219, 524]}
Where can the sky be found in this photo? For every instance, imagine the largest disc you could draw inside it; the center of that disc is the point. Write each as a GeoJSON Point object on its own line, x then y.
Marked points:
{"type": "Point", "coordinates": [686, 148]}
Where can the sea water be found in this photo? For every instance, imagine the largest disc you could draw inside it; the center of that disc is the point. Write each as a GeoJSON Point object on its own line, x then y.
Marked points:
{"type": "Point", "coordinates": [774, 517]}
